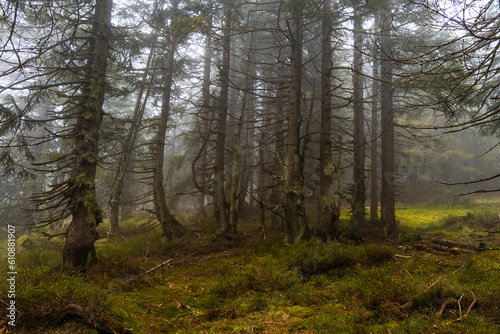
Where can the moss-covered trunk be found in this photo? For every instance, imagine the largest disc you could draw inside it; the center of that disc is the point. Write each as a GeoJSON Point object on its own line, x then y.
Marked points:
{"type": "Point", "coordinates": [327, 216]}
{"type": "Point", "coordinates": [85, 210]}
{"type": "Point", "coordinates": [295, 220]}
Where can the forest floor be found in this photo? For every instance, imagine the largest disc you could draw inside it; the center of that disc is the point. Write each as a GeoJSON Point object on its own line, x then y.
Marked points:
{"type": "Point", "coordinates": [207, 283]}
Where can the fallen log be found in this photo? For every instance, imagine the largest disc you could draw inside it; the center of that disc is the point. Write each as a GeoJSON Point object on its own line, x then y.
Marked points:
{"type": "Point", "coordinates": [491, 231]}
{"type": "Point", "coordinates": [450, 244]}
{"type": "Point", "coordinates": [428, 246]}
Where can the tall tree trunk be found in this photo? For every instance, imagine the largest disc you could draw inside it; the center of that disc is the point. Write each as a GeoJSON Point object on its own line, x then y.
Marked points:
{"type": "Point", "coordinates": [170, 226]}
{"type": "Point", "coordinates": [81, 233]}
{"type": "Point", "coordinates": [327, 218]}
{"type": "Point", "coordinates": [220, 200]}
{"type": "Point", "coordinates": [201, 174]}
{"type": "Point", "coordinates": [247, 168]}
{"type": "Point", "coordinates": [128, 146]}
{"type": "Point", "coordinates": [295, 223]}
{"type": "Point", "coordinates": [236, 184]}
{"type": "Point", "coordinates": [127, 205]}
{"type": "Point", "coordinates": [359, 188]}
{"type": "Point", "coordinates": [262, 181]}
{"type": "Point", "coordinates": [373, 143]}
{"type": "Point", "coordinates": [277, 168]}
{"type": "Point", "coordinates": [387, 127]}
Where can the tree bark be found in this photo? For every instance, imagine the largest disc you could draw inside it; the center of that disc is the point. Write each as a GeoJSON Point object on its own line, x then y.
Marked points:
{"type": "Point", "coordinates": [247, 165]}
{"type": "Point", "coordinates": [236, 184]}
{"type": "Point", "coordinates": [262, 180]}
{"type": "Point", "coordinates": [276, 197]}
{"type": "Point", "coordinates": [373, 144]}
{"type": "Point", "coordinates": [327, 219]}
{"type": "Point", "coordinates": [86, 213]}
{"type": "Point", "coordinates": [295, 223]}
{"type": "Point", "coordinates": [387, 201]}
{"type": "Point", "coordinates": [169, 224]}
{"type": "Point", "coordinates": [201, 174]}
{"type": "Point", "coordinates": [359, 188]}
{"type": "Point", "coordinates": [220, 211]}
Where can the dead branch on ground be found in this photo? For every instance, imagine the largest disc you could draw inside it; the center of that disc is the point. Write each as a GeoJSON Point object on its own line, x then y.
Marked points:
{"type": "Point", "coordinates": [491, 231]}
{"type": "Point", "coordinates": [468, 309]}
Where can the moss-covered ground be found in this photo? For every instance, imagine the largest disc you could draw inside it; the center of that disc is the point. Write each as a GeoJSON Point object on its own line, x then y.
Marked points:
{"type": "Point", "coordinates": [251, 284]}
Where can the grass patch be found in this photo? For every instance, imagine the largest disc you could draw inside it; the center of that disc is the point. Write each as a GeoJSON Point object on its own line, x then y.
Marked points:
{"type": "Point", "coordinates": [457, 222]}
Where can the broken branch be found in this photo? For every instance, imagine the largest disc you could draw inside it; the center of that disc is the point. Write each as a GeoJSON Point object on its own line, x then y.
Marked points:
{"type": "Point", "coordinates": [468, 309]}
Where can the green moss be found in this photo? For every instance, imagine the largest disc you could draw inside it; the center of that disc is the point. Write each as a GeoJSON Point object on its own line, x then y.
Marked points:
{"type": "Point", "coordinates": [93, 208]}
{"type": "Point", "coordinates": [259, 285]}
{"type": "Point", "coordinates": [81, 179]}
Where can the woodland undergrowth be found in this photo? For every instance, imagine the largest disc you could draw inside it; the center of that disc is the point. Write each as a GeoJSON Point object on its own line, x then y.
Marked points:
{"type": "Point", "coordinates": [208, 283]}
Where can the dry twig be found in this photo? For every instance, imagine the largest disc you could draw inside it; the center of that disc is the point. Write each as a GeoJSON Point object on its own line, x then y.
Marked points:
{"type": "Point", "coordinates": [406, 271]}
{"type": "Point", "coordinates": [402, 256]}
{"type": "Point", "coordinates": [462, 317]}
{"type": "Point", "coordinates": [161, 265]}
{"type": "Point", "coordinates": [443, 307]}
{"type": "Point", "coordinates": [430, 286]}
